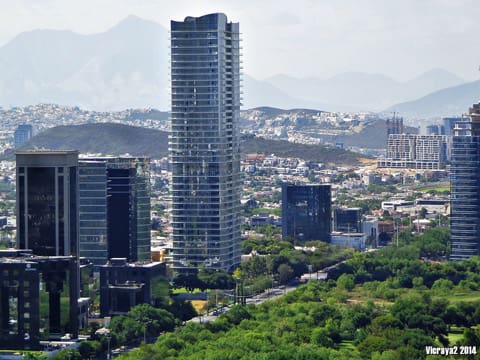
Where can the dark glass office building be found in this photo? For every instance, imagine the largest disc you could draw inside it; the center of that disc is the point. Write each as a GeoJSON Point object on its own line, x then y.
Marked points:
{"type": "Point", "coordinates": [124, 285]}
{"type": "Point", "coordinates": [306, 212]}
{"type": "Point", "coordinates": [348, 220]}
{"type": "Point", "coordinates": [114, 208]}
{"type": "Point", "coordinates": [204, 142]}
{"type": "Point", "coordinates": [465, 188]}
{"type": "Point", "coordinates": [47, 202]}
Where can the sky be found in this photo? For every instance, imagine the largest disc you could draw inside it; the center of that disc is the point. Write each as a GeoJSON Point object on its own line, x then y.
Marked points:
{"type": "Point", "coordinates": [299, 38]}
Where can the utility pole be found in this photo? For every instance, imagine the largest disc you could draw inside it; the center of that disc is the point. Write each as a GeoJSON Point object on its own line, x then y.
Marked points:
{"type": "Point", "coordinates": [108, 348]}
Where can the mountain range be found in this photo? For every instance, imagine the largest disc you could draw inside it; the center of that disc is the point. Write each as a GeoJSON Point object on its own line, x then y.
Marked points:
{"type": "Point", "coordinates": [454, 100]}
{"type": "Point", "coordinates": [365, 92]}
{"type": "Point", "coordinates": [127, 67]}
{"type": "Point", "coordinates": [124, 67]}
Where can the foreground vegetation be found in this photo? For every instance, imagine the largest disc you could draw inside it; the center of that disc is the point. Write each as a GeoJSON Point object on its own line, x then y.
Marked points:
{"type": "Point", "coordinates": [389, 304]}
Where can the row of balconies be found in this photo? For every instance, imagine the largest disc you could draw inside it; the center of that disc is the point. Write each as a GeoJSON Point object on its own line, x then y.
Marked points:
{"type": "Point", "coordinates": [223, 233]}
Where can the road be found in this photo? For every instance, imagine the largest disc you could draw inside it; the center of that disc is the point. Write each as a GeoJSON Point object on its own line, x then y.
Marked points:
{"type": "Point", "coordinates": [268, 294]}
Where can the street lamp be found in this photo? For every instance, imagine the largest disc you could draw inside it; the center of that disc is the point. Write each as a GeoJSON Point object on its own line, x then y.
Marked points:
{"type": "Point", "coordinates": [108, 346]}
{"type": "Point", "coordinates": [145, 331]}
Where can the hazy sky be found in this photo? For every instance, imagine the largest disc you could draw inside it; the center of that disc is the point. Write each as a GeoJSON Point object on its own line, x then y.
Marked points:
{"type": "Point", "coordinates": [301, 38]}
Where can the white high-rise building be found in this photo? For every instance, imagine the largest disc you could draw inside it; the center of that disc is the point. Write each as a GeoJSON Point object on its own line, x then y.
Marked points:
{"type": "Point", "coordinates": [204, 142]}
{"type": "Point", "coordinates": [416, 151]}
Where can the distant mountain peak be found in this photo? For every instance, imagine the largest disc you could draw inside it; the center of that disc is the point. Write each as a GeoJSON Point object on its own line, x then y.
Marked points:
{"type": "Point", "coordinates": [123, 67]}
{"type": "Point", "coordinates": [451, 101]}
{"type": "Point", "coordinates": [134, 20]}
{"type": "Point", "coordinates": [440, 75]}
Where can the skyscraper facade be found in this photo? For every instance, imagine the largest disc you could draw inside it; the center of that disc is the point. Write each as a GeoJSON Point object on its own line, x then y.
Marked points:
{"type": "Point", "coordinates": [47, 214]}
{"type": "Point", "coordinates": [306, 212]}
{"type": "Point", "coordinates": [449, 124]}
{"type": "Point", "coordinates": [204, 142]}
{"type": "Point", "coordinates": [114, 209]}
{"type": "Point", "coordinates": [347, 220]}
{"type": "Point", "coordinates": [394, 126]}
{"type": "Point", "coordinates": [416, 151]}
{"type": "Point", "coordinates": [22, 134]}
{"type": "Point", "coordinates": [465, 188]}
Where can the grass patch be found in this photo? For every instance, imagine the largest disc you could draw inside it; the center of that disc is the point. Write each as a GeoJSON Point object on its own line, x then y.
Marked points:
{"type": "Point", "coordinates": [182, 290]}
{"type": "Point", "coordinates": [464, 296]}
{"type": "Point", "coordinates": [271, 211]}
{"type": "Point", "coordinates": [347, 345]}
{"type": "Point", "coordinates": [361, 295]}
{"type": "Point", "coordinates": [455, 335]}
{"type": "Point", "coordinates": [441, 187]}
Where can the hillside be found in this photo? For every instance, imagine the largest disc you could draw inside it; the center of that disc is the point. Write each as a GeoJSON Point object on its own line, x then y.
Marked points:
{"type": "Point", "coordinates": [103, 138]}
{"type": "Point", "coordinates": [117, 139]}
{"type": "Point", "coordinates": [371, 135]}
{"type": "Point", "coordinates": [316, 153]}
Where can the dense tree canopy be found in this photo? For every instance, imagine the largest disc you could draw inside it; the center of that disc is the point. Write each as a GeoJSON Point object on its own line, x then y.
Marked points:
{"type": "Point", "coordinates": [388, 304]}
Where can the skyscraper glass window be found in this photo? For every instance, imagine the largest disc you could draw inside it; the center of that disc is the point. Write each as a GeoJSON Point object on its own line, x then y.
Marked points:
{"type": "Point", "coordinates": [204, 142]}
{"type": "Point", "coordinates": [465, 188]}
{"type": "Point", "coordinates": [114, 208]}
{"type": "Point", "coordinates": [306, 212]}
{"type": "Point", "coordinates": [47, 214]}
{"type": "Point", "coordinates": [22, 134]}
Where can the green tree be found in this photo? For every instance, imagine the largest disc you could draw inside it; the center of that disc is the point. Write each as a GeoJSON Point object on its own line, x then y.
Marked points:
{"type": "Point", "coordinates": [236, 314]}
{"type": "Point", "coordinates": [442, 286]}
{"type": "Point", "coordinates": [87, 349]}
{"type": "Point", "coordinates": [140, 320]}
{"type": "Point", "coordinates": [422, 213]}
{"type": "Point", "coordinates": [189, 281]}
{"type": "Point", "coordinates": [285, 273]}
{"type": "Point", "coordinates": [471, 337]}
{"type": "Point", "coordinates": [321, 336]}
{"type": "Point", "coordinates": [30, 356]}
{"type": "Point", "coordinates": [345, 281]}
{"type": "Point", "coordinates": [417, 282]}
{"type": "Point", "coordinates": [182, 310]}
{"type": "Point", "coordinates": [216, 279]}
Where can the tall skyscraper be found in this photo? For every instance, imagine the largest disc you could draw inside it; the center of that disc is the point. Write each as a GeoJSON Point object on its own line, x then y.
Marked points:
{"type": "Point", "coordinates": [465, 188]}
{"type": "Point", "coordinates": [204, 142]}
{"type": "Point", "coordinates": [47, 213]}
{"type": "Point", "coordinates": [114, 209]}
{"type": "Point", "coordinates": [306, 212]}
{"type": "Point", "coordinates": [47, 224]}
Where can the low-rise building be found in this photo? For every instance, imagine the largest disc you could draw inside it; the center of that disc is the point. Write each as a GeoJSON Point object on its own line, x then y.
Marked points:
{"type": "Point", "coordinates": [353, 240]}
{"type": "Point", "coordinates": [124, 285]}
